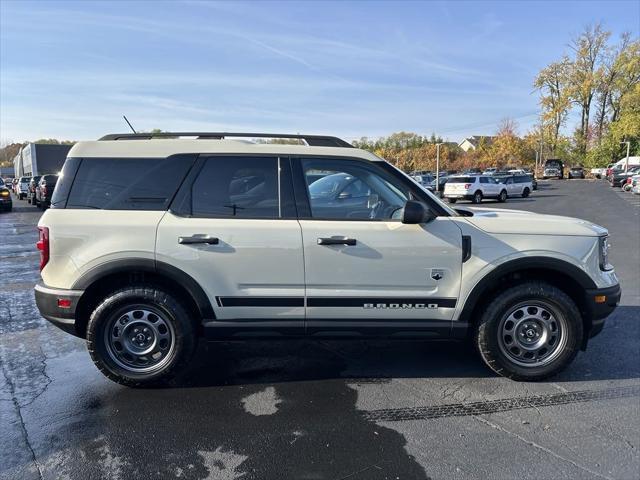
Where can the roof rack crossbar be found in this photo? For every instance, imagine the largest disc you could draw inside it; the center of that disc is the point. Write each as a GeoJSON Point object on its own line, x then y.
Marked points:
{"type": "Point", "coordinates": [311, 140]}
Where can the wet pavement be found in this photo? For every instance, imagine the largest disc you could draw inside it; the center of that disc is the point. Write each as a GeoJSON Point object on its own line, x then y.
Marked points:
{"type": "Point", "coordinates": [323, 410]}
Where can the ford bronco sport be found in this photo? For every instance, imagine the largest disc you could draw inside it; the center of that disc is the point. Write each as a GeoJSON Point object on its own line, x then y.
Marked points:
{"type": "Point", "coordinates": [242, 240]}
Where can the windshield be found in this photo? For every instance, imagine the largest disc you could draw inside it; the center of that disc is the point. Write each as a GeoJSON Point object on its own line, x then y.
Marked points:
{"type": "Point", "coordinates": [553, 164]}
{"type": "Point", "coordinates": [444, 206]}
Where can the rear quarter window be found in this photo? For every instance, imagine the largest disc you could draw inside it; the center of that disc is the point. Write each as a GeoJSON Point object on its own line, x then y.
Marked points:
{"type": "Point", "coordinates": [123, 183]}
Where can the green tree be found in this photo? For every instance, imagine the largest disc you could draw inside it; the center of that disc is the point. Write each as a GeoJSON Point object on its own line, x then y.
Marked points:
{"type": "Point", "coordinates": [585, 75]}
{"type": "Point", "coordinates": [553, 84]}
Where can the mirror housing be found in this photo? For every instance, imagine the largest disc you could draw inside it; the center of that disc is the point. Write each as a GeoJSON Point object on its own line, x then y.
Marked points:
{"type": "Point", "coordinates": [416, 212]}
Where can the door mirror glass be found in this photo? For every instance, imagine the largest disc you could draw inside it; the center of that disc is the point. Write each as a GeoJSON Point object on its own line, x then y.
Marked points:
{"type": "Point", "coordinates": [416, 212]}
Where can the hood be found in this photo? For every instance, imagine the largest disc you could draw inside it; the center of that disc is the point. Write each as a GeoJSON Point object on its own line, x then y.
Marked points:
{"type": "Point", "coordinates": [520, 222]}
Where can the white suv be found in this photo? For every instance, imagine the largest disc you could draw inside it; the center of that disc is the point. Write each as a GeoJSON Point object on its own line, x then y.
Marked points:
{"type": "Point", "coordinates": [22, 187]}
{"type": "Point", "coordinates": [474, 188]}
{"type": "Point", "coordinates": [152, 244]}
{"type": "Point", "coordinates": [516, 185]}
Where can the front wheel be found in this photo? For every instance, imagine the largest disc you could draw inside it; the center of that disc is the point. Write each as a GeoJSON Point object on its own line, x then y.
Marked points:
{"type": "Point", "coordinates": [529, 332]}
{"type": "Point", "coordinates": [140, 336]}
{"type": "Point", "coordinates": [503, 196]}
{"type": "Point", "coordinates": [525, 193]}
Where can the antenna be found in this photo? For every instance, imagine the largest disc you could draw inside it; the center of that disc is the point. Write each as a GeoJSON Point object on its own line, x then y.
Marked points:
{"type": "Point", "coordinates": [129, 123]}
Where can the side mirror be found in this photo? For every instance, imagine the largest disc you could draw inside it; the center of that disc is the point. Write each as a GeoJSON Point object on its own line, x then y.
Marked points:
{"type": "Point", "coordinates": [416, 212]}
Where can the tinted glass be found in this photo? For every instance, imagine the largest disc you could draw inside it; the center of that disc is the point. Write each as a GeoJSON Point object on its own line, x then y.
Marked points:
{"type": "Point", "coordinates": [484, 180]}
{"type": "Point", "coordinates": [352, 190]}
{"type": "Point", "coordinates": [238, 187]}
{"type": "Point", "coordinates": [128, 183]}
{"type": "Point", "coordinates": [462, 179]}
{"type": "Point", "coordinates": [65, 180]}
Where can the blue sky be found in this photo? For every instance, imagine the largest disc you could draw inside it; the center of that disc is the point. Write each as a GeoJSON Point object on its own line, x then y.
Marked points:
{"type": "Point", "coordinates": [71, 69]}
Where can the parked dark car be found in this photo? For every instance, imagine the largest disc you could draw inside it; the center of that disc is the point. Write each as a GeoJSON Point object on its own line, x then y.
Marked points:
{"type": "Point", "coordinates": [5, 199]}
{"type": "Point", "coordinates": [442, 180]}
{"type": "Point", "coordinates": [576, 172]}
{"type": "Point", "coordinates": [553, 168]}
{"type": "Point", "coordinates": [619, 177]}
{"type": "Point", "coordinates": [33, 184]}
{"type": "Point", "coordinates": [44, 190]}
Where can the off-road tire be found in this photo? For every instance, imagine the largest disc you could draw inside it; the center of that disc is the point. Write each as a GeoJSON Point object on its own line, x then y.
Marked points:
{"type": "Point", "coordinates": [184, 333]}
{"type": "Point", "coordinates": [487, 331]}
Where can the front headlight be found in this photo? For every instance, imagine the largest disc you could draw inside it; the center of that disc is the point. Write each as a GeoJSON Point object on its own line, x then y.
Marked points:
{"type": "Point", "coordinates": [604, 253]}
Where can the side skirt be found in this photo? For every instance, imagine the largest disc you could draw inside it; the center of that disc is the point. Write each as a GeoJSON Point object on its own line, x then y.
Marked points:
{"type": "Point", "coordinates": [333, 329]}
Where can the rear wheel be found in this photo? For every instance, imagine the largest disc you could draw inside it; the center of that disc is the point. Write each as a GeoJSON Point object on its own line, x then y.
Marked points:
{"type": "Point", "coordinates": [451, 200]}
{"type": "Point", "coordinates": [503, 196]}
{"type": "Point", "coordinates": [525, 193]}
{"type": "Point", "coordinates": [140, 336]}
{"type": "Point", "coordinates": [477, 197]}
{"type": "Point", "coordinates": [529, 332]}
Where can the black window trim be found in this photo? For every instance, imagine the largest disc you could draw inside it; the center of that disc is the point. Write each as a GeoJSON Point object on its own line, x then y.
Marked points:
{"type": "Point", "coordinates": [301, 191]}
{"type": "Point", "coordinates": [183, 198]}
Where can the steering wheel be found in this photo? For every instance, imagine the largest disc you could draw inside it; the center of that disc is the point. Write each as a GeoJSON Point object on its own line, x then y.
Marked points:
{"type": "Point", "coordinates": [382, 210]}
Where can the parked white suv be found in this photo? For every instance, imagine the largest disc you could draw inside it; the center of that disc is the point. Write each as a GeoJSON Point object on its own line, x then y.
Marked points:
{"type": "Point", "coordinates": [516, 185]}
{"type": "Point", "coordinates": [152, 244]}
{"type": "Point", "coordinates": [474, 188]}
{"type": "Point", "coordinates": [22, 187]}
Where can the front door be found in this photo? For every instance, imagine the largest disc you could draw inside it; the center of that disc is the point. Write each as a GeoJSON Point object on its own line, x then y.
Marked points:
{"type": "Point", "coordinates": [232, 228]}
{"type": "Point", "coordinates": [365, 271]}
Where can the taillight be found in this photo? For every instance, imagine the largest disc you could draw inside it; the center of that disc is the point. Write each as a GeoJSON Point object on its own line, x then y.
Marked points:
{"type": "Point", "coordinates": [43, 246]}
{"type": "Point", "coordinates": [467, 186]}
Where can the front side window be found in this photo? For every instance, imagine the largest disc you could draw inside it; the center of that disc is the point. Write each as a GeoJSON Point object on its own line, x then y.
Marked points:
{"type": "Point", "coordinates": [350, 190]}
{"type": "Point", "coordinates": [239, 187]}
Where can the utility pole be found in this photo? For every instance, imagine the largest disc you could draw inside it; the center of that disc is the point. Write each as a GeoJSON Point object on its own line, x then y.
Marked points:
{"type": "Point", "coordinates": [626, 163]}
{"type": "Point", "coordinates": [541, 147]}
{"type": "Point", "coordinates": [438, 167]}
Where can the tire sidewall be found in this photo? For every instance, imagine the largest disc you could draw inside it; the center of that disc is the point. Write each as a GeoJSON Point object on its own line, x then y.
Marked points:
{"type": "Point", "coordinates": [558, 302]}
{"type": "Point", "coordinates": [114, 305]}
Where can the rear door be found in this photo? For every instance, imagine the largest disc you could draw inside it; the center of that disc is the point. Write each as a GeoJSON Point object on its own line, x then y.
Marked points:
{"type": "Point", "coordinates": [511, 186]}
{"type": "Point", "coordinates": [233, 228]}
{"type": "Point", "coordinates": [367, 272]}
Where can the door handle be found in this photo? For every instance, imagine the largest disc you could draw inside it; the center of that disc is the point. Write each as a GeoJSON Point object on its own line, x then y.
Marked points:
{"type": "Point", "coordinates": [337, 241]}
{"type": "Point", "coordinates": [195, 239]}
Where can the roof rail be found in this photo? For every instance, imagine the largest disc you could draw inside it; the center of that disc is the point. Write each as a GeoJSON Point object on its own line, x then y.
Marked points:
{"type": "Point", "coordinates": [311, 140]}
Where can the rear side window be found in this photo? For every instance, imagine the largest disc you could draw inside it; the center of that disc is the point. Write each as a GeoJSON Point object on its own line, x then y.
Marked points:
{"type": "Point", "coordinates": [127, 183]}
{"type": "Point", "coordinates": [462, 180]}
{"type": "Point", "coordinates": [239, 187]}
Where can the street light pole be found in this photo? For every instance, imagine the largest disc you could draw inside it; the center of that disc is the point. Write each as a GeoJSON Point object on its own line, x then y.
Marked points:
{"type": "Point", "coordinates": [438, 167]}
{"type": "Point", "coordinates": [626, 164]}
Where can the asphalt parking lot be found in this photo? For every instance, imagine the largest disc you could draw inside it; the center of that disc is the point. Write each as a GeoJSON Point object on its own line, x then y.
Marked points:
{"type": "Point", "coordinates": [324, 410]}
